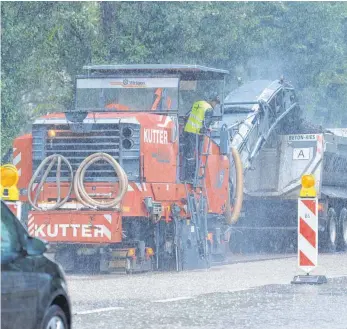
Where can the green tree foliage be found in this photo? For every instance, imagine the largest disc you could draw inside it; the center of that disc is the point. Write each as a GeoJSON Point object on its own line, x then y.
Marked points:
{"type": "Point", "coordinates": [45, 44]}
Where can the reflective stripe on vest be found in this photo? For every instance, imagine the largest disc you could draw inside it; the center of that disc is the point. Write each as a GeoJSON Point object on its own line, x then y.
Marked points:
{"type": "Point", "coordinates": [196, 117]}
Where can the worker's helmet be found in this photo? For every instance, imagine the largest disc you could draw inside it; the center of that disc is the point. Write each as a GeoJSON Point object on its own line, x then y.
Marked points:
{"type": "Point", "coordinates": [212, 96]}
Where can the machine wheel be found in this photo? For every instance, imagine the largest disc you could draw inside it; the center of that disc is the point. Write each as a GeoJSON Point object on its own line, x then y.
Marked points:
{"type": "Point", "coordinates": [242, 241]}
{"type": "Point", "coordinates": [66, 257]}
{"type": "Point", "coordinates": [330, 236]}
{"type": "Point", "coordinates": [236, 242]}
{"type": "Point", "coordinates": [343, 229]}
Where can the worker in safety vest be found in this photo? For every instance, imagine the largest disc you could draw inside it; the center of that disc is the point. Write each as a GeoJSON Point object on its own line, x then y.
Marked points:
{"type": "Point", "coordinates": [200, 117]}
{"type": "Point", "coordinates": [199, 121]}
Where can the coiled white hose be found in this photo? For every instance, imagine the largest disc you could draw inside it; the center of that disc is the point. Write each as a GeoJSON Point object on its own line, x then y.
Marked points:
{"type": "Point", "coordinates": [52, 159]}
{"type": "Point", "coordinates": [80, 191]}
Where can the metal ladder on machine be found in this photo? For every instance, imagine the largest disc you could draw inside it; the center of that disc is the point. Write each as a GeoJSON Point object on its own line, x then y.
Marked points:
{"type": "Point", "coordinates": [200, 166]}
{"type": "Point", "coordinates": [198, 208]}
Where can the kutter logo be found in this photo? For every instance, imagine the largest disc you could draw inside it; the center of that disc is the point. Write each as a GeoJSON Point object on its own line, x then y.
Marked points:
{"type": "Point", "coordinates": [70, 230]}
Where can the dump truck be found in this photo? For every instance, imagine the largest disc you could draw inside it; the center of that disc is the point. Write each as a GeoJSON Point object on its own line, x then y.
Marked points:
{"type": "Point", "coordinates": [106, 183]}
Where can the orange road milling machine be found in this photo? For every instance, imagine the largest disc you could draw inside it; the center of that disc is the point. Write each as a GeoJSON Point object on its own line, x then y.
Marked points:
{"type": "Point", "coordinates": [105, 182]}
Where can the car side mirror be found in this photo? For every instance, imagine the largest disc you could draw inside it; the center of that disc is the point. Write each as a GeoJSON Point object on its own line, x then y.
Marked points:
{"type": "Point", "coordinates": [35, 246]}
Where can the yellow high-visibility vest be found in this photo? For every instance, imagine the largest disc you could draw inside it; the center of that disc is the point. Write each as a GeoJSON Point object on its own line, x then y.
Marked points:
{"type": "Point", "coordinates": [196, 117]}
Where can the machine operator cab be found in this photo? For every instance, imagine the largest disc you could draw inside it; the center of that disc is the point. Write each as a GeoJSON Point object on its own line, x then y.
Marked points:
{"type": "Point", "coordinates": [158, 89]}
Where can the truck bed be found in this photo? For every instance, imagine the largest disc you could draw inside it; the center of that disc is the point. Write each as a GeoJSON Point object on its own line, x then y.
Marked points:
{"type": "Point", "coordinates": [277, 171]}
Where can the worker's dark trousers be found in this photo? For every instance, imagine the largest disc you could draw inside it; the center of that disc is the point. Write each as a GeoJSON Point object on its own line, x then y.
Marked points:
{"type": "Point", "coordinates": [191, 149]}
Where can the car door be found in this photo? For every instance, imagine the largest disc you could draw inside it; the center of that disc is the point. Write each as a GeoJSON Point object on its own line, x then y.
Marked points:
{"type": "Point", "coordinates": [6, 289]}
{"type": "Point", "coordinates": [19, 293]}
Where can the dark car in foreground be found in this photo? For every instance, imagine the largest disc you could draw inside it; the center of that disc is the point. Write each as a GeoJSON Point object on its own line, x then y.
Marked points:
{"type": "Point", "coordinates": [33, 288]}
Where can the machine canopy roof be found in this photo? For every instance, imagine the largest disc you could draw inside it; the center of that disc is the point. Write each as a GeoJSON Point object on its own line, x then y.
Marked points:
{"type": "Point", "coordinates": [186, 72]}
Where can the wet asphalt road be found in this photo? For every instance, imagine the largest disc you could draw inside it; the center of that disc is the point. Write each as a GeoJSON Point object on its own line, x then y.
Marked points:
{"type": "Point", "coordinates": [255, 294]}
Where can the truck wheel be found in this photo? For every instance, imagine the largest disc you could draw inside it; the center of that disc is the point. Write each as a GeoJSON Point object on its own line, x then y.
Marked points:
{"type": "Point", "coordinates": [331, 231]}
{"type": "Point", "coordinates": [343, 229]}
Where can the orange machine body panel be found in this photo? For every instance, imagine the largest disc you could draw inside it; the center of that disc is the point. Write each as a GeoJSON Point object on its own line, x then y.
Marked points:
{"type": "Point", "coordinates": [76, 226]}
{"type": "Point", "coordinates": [159, 150]}
{"type": "Point", "coordinates": [217, 179]}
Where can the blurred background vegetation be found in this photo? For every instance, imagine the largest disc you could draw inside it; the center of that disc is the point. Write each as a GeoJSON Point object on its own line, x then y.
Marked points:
{"type": "Point", "coordinates": [45, 44]}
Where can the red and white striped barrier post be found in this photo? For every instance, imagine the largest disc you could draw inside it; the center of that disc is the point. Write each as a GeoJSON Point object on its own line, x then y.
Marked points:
{"type": "Point", "coordinates": [308, 232]}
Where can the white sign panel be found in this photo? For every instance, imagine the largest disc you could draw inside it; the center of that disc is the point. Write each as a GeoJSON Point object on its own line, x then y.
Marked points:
{"type": "Point", "coordinates": [302, 153]}
{"type": "Point", "coordinates": [127, 83]}
{"type": "Point", "coordinates": [307, 234]}
{"type": "Point", "coordinates": [300, 137]}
